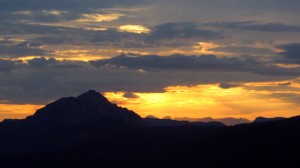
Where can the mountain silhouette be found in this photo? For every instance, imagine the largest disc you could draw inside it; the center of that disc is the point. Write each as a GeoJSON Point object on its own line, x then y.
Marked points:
{"type": "Point", "coordinates": [227, 121]}
{"type": "Point", "coordinates": [174, 123]}
{"type": "Point", "coordinates": [263, 119]}
{"type": "Point", "coordinates": [88, 107]}
{"type": "Point", "coordinates": [90, 131]}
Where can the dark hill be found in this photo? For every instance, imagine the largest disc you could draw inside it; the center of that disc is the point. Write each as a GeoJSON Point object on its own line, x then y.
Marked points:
{"type": "Point", "coordinates": [263, 119]}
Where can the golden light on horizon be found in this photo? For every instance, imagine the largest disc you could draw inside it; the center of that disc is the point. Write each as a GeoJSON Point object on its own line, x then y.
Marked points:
{"type": "Point", "coordinates": [134, 29]}
{"type": "Point", "coordinates": [206, 101]}
{"type": "Point", "coordinates": [17, 111]}
{"type": "Point", "coordinates": [210, 100]}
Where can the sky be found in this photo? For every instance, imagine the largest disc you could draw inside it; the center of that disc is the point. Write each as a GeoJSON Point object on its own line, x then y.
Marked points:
{"type": "Point", "coordinates": [179, 58]}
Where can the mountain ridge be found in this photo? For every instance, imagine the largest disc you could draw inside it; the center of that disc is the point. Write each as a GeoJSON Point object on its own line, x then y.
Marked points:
{"type": "Point", "coordinates": [227, 121]}
{"type": "Point", "coordinates": [264, 119]}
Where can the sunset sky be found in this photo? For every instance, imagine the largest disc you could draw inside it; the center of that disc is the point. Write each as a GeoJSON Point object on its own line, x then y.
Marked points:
{"type": "Point", "coordinates": [178, 58]}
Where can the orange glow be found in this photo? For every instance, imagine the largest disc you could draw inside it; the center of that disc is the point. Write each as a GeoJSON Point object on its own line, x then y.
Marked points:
{"type": "Point", "coordinates": [288, 65]}
{"type": "Point", "coordinates": [205, 48]}
{"type": "Point", "coordinates": [16, 111]}
{"type": "Point", "coordinates": [134, 29]}
{"type": "Point", "coordinates": [81, 55]}
{"type": "Point", "coordinates": [207, 101]}
{"type": "Point", "coordinates": [53, 12]}
{"type": "Point", "coordinates": [100, 17]}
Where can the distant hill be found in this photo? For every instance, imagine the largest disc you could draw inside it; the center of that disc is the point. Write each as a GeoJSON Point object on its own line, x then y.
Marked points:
{"type": "Point", "coordinates": [263, 119]}
{"type": "Point", "coordinates": [174, 123]}
{"type": "Point", "coordinates": [226, 121]}
{"type": "Point", "coordinates": [89, 131]}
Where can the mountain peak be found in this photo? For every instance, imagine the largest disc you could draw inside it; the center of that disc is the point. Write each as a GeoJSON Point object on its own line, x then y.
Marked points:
{"type": "Point", "coordinates": [90, 106]}
{"type": "Point", "coordinates": [93, 96]}
{"type": "Point", "coordinates": [90, 93]}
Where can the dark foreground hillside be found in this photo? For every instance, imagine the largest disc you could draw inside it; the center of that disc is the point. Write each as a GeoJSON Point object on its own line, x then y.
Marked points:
{"type": "Point", "coordinates": [89, 131]}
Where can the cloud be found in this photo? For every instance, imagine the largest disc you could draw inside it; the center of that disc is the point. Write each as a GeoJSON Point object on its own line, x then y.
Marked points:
{"type": "Point", "coordinates": [166, 35]}
{"type": "Point", "coordinates": [42, 80]}
{"type": "Point", "coordinates": [130, 95]}
{"type": "Point", "coordinates": [227, 85]}
{"type": "Point", "coordinates": [240, 4]}
{"type": "Point", "coordinates": [253, 26]}
{"type": "Point", "coordinates": [19, 5]}
{"type": "Point", "coordinates": [96, 17]}
{"type": "Point", "coordinates": [288, 97]}
{"type": "Point", "coordinates": [6, 65]}
{"type": "Point", "coordinates": [41, 62]}
{"type": "Point", "coordinates": [285, 84]}
{"type": "Point", "coordinates": [134, 29]}
{"type": "Point", "coordinates": [12, 50]}
{"type": "Point", "coordinates": [290, 53]}
{"type": "Point", "coordinates": [62, 11]}
{"type": "Point", "coordinates": [184, 30]}
{"type": "Point", "coordinates": [25, 29]}
{"type": "Point", "coordinates": [244, 50]}
{"type": "Point", "coordinates": [204, 63]}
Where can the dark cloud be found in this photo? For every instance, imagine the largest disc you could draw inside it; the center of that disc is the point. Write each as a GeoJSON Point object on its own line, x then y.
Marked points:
{"type": "Point", "coordinates": [42, 16]}
{"type": "Point", "coordinates": [130, 95]}
{"type": "Point", "coordinates": [19, 5]}
{"type": "Point", "coordinates": [290, 53]}
{"type": "Point", "coordinates": [204, 63]}
{"type": "Point", "coordinates": [46, 81]}
{"type": "Point", "coordinates": [285, 84]}
{"type": "Point", "coordinates": [240, 4]}
{"type": "Point", "coordinates": [25, 29]}
{"type": "Point", "coordinates": [41, 62]}
{"type": "Point", "coordinates": [253, 26]}
{"type": "Point", "coordinates": [113, 36]}
{"type": "Point", "coordinates": [8, 49]}
{"type": "Point", "coordinates": [244, 50]}
{"type": "Point", "coordinates": [188, 30]}
{"type": "Point", "coordinates": [6, 65]}
{"type": "Point", "coordinates": [227, 85]}
{"type": "Point", "coordinates": [165, 35]}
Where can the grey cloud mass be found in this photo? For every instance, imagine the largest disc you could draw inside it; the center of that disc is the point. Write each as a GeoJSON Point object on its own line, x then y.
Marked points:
{"type": "Point", "coordinates": [204, 63]}
{"type": "Point", "coordinates": [6, 65]}
{"type": "Point", "coordinates": [243, 50]}
{"type": "Point", "coordinates": [19, 50]}
{"type": "Point", "coordinates": [130, 95]}
{"type": "Point", "coordinates": [41, 81]}
{"type": "Point", "coordinates": [290, 53]}
{"type": "Point", "coordinates": [40, 62]}
{"type": "Point", "coordinates": [253, 26]}
{"type": "Point", "coordinates": [227, 85]}
{"type": "Point", "coordinates": [160, 35]}
{"type": "Point", "coordinates": [182, 30]}
{"type": "Point", "coordinates": [45, 29]}
{"type": "Point", "coordinates": [13, 5]}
